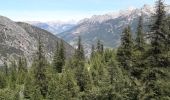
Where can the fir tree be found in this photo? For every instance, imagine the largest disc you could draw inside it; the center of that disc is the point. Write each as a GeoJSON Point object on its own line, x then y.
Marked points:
{"type": "Point", "coordinates": [124, 52]}
{"type": "Point", "coordinates": [28, 87]}
{"type": "Point", "coordinates": [62, 55]}
{"type": "Point", "coordinates": [79, 53]}
{"type": "Point", "coordinates": [140, 35]}
{"type": "Point", "coordinates": [22, 70]}
{"type": "Point", "coordinates": [6, 69]}
{"type": "Point", "coordinates": [36, 93]}
{"type": "Point", "coordinates": [92, 51]}
{"type": "Point", "coordinates": [59, 57]}
{"type": "Point", "coordinates": [39, 71]}
{"type": "Point", "coordinates": [3, 83]}
{"type": "Point", "coordinates": [158, 36]}
{"type": "Point", "coordinates": [13, 75]}
{"type": "Point", "coordinates": [56, 57]}
{"type": "Point", "coordinates": [155, 61]}
{"type": "Point", "coordinates": [69, 87]}
{"type": "Point", "coordinates": [140, 47]}
{"type": "Point", "coordinates": [100, 47]}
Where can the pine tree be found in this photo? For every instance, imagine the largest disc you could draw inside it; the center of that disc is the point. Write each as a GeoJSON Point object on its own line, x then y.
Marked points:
{"type": "Point", "coordinates": [100, 47]}
{"type": "Point", "coordinates": [125, 51]}
{"type": "Point", "coordinates": [92, 51]}
{"type": "Point", "coordinates": [158, 36]}
{"type": "Point", "coordinates": [3, 82]}
{"type": "Point", "coordinates": [13, 75]}
{"type": "Point", "coordinates": [36, 93]}
{"type": "Point", "coordinates": [56, 57]}
{"type": "Point", "coordinates": [59, 57]}
{"type": "Point", "coordinates": [28, 87]}
{"type": "Point", "coordinates": [79, 53]}
{"type": "Point", "coordinates": [68, 86]}
{"type": "Point", "coordinates": [140, 35]}
{"type": "Point", "coordinates": [85, 80]}
{"type": "Point", "coordinates": [155, 75]}
{"type": "Point", "coordinates": [22, 70]}
{"type": "Point", "coordinates": [140, 48]}
{"type": "Point", "coordinates": [6, 69]}
{"type": "Point", "coordinates": [39, 70]}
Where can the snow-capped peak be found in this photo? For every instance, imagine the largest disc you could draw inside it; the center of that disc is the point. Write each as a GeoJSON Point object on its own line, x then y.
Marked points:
{"type": "Point", "coordinates": [130, 11]}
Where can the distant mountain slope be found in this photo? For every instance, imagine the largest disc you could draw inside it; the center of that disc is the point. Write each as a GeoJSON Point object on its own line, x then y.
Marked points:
{"type": "Point", "coordinates": [107, 28]}
{"type": "Point", "coordinates": [54, 27]}
{"type": "Point", "coordinates": [21, 39]}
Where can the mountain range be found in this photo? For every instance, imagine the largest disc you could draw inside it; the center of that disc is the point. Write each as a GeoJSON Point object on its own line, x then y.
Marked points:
{"type": "Point", "coordinates": [54, 27]}
{"type": "Point", "coordinates": [21, 39]}
{"type": "Point", "coordinates": [107, 28]}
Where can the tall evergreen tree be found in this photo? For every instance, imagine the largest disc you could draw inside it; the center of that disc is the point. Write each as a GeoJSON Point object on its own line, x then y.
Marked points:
{"type": "Point", "coordinates": [140, 35]}
{"type": "Point", "coordinates": [22, 70]}
{"type": "Point", "coordinates": [158, 36]}
{"type": "Point", "coordinates": [99, 47]}
{"type": "Point", "coordinates": [40, 69]}
{"type": "Point", "coordinates": [56, 57]}
{"type": "Point", "coordinates": [140, 48]}
{"type": "Point", "coordinates": [125, 51]}
{"type": "Point", "coordinates": [3, 82]}
{"type": "Point", "coordinates": [92, 51]}
{"type": "Point", "coordinates": [69, 87]}
{"type": "Point", "coordinates": [155, 62]}
{"type": "Point", "coordinates": [59, 57]}
{"type": "Point", "coordinates": [79, 53]}
{"type": "Point", "coordinates": [13, 75]}
{"type": "Point", "coordinates": [28, 87]}
{"type": "Point", "coordinates": [62, 54]}
{"type": "Point", "coordinates": [6, 69]}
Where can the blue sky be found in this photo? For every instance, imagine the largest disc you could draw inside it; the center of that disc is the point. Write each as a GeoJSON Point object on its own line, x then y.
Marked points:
{"type": "Point", "coordinates": [64, 10]}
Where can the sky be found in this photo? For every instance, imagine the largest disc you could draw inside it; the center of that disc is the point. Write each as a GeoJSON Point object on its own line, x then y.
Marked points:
{"type": "Point", "coordinates": [64, 10]}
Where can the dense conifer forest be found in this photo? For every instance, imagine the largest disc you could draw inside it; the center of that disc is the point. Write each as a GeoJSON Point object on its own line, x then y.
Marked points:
{"type": "Point", "coordinates": [139, 69]}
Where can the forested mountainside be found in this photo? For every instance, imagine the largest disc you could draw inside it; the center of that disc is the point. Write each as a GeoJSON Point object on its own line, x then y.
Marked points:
{"type": "Point", "coordinates": [139, 69]}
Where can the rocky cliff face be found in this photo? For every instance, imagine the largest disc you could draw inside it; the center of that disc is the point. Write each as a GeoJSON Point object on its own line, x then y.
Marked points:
{"type": "Point", "coordinates": [18, 39]}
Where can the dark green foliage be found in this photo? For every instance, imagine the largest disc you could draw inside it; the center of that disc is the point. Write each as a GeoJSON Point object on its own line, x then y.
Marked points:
{"type": "Point", "coordinates": [124, 52]}
{"type": "Point", "coordinates": [99, 47]}
{"type": "Point", "coordinates": [155, 75]}
{"type": "Point", "coordinates": [139, 49]}
{"type": "Point", "coordinates": [8, 94]}
{"type": "Point", "coordinates": [28, 87]}
{"type": "Point", "coordinates": [2, 80]}
{"type": "Point", "coordinates": [59, 57]}
{"type": "Point", "coordinates": [157, 36]}
{"type": "Point", "coordinates": [137, 70]}
{"type": "Point", "coordinates": [36, 93]}
{"type": "Point", "coordinates": [13, 75]}
{"type": "Point", "coordinates": [22, 70]}
{"type": "Point", "coordinates": [39, 71]}
{"type": "Point", "coordinates": [69, 85]}
{"type": "Point", "coordinates": [92, 51]}
{"type": "Point", "coordinates": [56, 57]}
{"type": "Point", "coordinates": [79, 53]}
{"type": "Point", "coordinates": [140, 35]}
{"type": "Point", "coordinates": [6, 69]}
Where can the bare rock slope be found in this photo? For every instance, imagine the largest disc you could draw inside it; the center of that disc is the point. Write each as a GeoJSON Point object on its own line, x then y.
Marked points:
{"type": "Point", "coordinates": [18, 39]}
